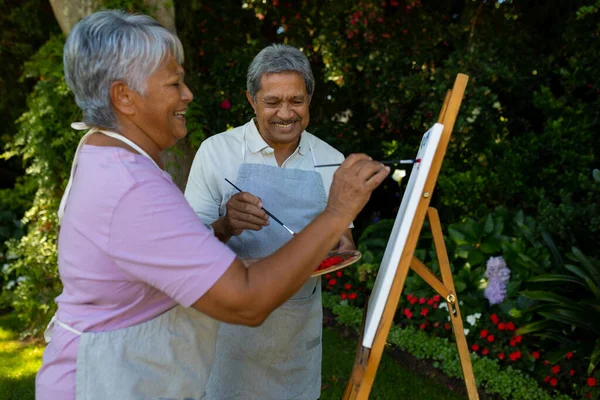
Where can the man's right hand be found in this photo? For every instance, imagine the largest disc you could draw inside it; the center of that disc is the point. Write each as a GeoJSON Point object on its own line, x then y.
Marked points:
{"type": "Point", "coordinates": [244, 212]}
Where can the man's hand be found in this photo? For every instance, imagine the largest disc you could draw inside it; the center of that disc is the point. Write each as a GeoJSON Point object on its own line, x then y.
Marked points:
{"type": "Point", "coordinates": [244, 212]}
{"type": "Point", "coordinates": [346, 242]}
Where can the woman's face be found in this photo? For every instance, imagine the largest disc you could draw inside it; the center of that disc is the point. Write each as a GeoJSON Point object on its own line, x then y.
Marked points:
{"type": "Point", "coordinates": [160, 113]}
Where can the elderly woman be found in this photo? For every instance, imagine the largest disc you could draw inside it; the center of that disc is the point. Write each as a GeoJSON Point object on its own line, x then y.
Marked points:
{"type": "Point", "coordinates": [272, 157]}
{"type": "Point", "coordinates": [145, 281]}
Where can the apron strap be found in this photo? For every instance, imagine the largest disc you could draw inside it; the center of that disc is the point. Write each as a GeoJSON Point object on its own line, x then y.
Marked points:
{"type": "Point", "coordinates": [55, 321]}
{"type": "Point", "coordinates": [80, 126]}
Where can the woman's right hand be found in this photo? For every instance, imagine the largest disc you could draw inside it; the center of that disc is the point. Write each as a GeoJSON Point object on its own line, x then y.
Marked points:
{"type": "Point", "coordinates": [353, 183]}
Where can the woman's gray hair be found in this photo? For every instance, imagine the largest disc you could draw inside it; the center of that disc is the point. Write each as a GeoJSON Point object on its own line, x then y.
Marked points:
{"type": "Point", "coordinates": [275, 59]}
{"type": "Point", "coordinates": [110, 46]}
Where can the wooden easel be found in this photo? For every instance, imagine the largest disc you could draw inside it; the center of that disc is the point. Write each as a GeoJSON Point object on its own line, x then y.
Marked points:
{"type": "Point", "coordinates": [367, 360]}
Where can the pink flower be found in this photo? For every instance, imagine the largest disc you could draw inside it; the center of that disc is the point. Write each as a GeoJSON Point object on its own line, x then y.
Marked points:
{"type": "Point", "coordinates": [225, 104]}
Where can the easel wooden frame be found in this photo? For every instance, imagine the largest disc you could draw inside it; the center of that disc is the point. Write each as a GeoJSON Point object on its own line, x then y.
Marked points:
{"type": "Point", "coordinates": [367, 360]}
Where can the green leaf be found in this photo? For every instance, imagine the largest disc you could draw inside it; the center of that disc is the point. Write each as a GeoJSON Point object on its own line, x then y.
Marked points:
{"type": "Point", "coordinates": [475, 257]}
{"type": "Point", "coordinates": [593, 270]}
{"type": "Point", "coordinates": [460, 286]}
{"type": "Point", "coordinates": [489, 225]}
{"type": "Point", "coordinates": [548, 296]}
{"type": "Point", "coordinates": [491, 245]}
{"type": "Point", "coordinates": [595, 357]}
{"type": "Point", "coordinates": [596, 174]}
{"type": "Point", "coordinates": [534, 327]}
{"type": "Point", "coordinates": [556, 257]}
{"type": "Point", "coordinates": [556, 278]}
{"type": "Point", "coordinates": [456, 235]}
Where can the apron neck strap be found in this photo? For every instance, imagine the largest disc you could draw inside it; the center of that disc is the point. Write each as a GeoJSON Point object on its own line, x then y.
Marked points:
{"type": "Point", "coordinates": [91, 130]}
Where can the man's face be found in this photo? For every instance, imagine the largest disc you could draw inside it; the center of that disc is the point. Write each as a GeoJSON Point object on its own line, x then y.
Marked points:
{"type": "Point", "coordinates": [281, 108]}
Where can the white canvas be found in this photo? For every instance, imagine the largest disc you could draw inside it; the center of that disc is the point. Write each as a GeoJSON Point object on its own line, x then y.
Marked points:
{"type": "Point", "coordinates": [399, 235]}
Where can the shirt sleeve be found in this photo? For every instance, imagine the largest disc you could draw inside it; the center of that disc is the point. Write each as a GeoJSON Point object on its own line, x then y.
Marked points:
{"type": "Point", "coordinates": [156, 237]}
{"type": "Point", "coordinates": [202, 188]}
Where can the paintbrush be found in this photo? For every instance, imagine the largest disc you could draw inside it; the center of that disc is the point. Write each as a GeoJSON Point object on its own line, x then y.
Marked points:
{"type": "Point", "coordinates": [268, 213]}
{"type": "Point", "coordinates": [386, 162]}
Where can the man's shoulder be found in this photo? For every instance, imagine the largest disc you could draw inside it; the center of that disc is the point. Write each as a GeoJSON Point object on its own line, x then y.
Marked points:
{"type": "Point", "coordinates": [322, 147]}
{"type": "Point", "coordinates": [227, 138]}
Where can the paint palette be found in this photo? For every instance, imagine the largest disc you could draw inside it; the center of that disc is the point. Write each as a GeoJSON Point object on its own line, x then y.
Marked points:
{"type": "Point", "coordinates": [337, 260]}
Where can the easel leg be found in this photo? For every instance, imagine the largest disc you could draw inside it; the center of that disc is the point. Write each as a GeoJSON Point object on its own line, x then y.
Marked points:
{"type": "Point", "coordinates": [453, 307]}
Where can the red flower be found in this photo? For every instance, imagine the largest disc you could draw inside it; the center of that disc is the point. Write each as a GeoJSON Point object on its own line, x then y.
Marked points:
{"type": "Point", "coordinates": [338, 274]}
{"type": "Point", "coordinates": [332, 282]}
{"type": "Point", "coordinates": [352, 296]}
{"type": "Point", "coordinates": [485, 351]}
{"type": "Point", "coordinates": [474, 347]}
{"type": "Point", "coordinates": [535, 354]}
{"type": "Point", "coordinates": [553, 381]}
{"type": "Point", "coordinates": [447, 326]}
{"type": "Point", "coordinates": [430, 302]}
{"type": "Point", "coordinates": [515, 356]}
{"type": "Point", "coordinates": [348, 286]}
{"type": "Point", "coordinates": [510, 326]}
{"type": "Point", "coordinates": [225, 104]}
{"type": "Point", "coordinates": [494, 319]}
{"type": "Point", "coordinates": [275, 3]}
{"type": "Point", "coordinates": [518, 339]}
{"type": "Point", "coordinates": [394, 3]}
{"type": "Point", "coordinates": [501, 326]}
{"type": "Point", "coordinates": [422, 300]}
{"type": "Point", "coordinates": [407, 313]}
{"type": "Point", "coordinates": [490, 338]}
{"type": "Point", "coordinates": [569, 355]}
{"type": "Point", "coordinates": [591, 381]}
{"type": "Point", "coordinates": [501, 356]}
{"type": "Point", "coordinates": [424, 312]}
{"type": "Point", "coordinates": [572, 372]}
{"type": "Point", "coordinates": [436, 324]}
{"type": "Point", "coordinates": [386, 35]}
{"type": "Point", "coordinates": [588, 395]}
{"type": "Point", "coordinates": [555, 369]}
{"type": "Point", "coordinates": [328, 276]}
{"type": "Point", "coordinates": [513, 343]}
{"type": "Point", "coordinates": [409, 296]}
{"type": "Point", "coordinates": [484, 333]}
{"type": "Point", "coordinates": [413, 300]}
{"type": "Point", "coordinates": [422, 326]}
{"type": "Point", "coordinates": [547, 378]}
{"type": "Point", "coordinates": [437, 298]}
{"type": "Point", "coordinates": [546, 362]}
{"type": "Point", "coordinates": [436, 305]}
{"type": "Point", "coordinates": [343, 296]}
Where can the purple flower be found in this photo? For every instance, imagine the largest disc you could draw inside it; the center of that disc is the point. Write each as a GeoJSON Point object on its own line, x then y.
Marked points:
{"type": "Point", "coordinates": [498, 276]}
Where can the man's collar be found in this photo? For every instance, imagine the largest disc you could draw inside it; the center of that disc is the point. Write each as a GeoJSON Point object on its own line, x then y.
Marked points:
{"type": "Point", "coordinates": [256, 142]}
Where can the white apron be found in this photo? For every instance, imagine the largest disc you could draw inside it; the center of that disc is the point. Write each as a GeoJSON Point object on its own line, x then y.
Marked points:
{"type": "Point", "coordinates": [166, 358]}
{"type": "Point", "coordinates": [281, 359]}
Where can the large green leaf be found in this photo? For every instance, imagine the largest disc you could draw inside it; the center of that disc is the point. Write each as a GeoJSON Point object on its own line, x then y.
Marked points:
{"type": "Point", "coordinates": [557, 259]}
{"type": "Point", "coordinates": [490, 245]}
{"type": "Point", "coordinates": [489, 225]}
{"type": "Point", "coordinates": [558, 278]}
{"type": "Point", "coordinates": [593, 270]}
{"type": "Point", "coordinates": [535, 327]}
{"type": "Point", "coordinates": [476, 257]}
{"type": "Point", "coordinates": [572, 316]}
{"type": "Point", "coordinates": [548, 296]}
{"type": "Point", "coordinates": [595, 357]}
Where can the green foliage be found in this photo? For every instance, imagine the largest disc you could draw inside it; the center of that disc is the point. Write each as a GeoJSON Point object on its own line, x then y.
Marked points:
{"type": "Point", "coordinates": [506, 382]}
{"type": "Point", "coordinates": [47, 143]}
{"type": "Point", "coordinates": [568, 306]}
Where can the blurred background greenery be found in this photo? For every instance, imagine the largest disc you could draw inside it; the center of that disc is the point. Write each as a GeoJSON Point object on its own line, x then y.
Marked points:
{"type": "Point", "coordinates": [520, 179]}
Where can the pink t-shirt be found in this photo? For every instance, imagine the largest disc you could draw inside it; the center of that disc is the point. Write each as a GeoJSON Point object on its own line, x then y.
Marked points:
{"type": "Point", "coordinates": [130, 248]}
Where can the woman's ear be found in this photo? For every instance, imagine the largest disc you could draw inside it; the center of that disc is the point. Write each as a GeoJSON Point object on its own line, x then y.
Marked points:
{"type": "Point", "coordinates": [122, 98]}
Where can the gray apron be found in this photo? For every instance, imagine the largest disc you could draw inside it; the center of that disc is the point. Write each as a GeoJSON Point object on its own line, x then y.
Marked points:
{"type": "Point", "coordinates": [166, 358]}
{"type": "Point", "coordinates": [281, 359]}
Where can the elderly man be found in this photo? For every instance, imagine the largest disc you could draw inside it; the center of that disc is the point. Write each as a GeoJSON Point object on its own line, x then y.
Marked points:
{"type": "Point", "coordinates": [272, 159]}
